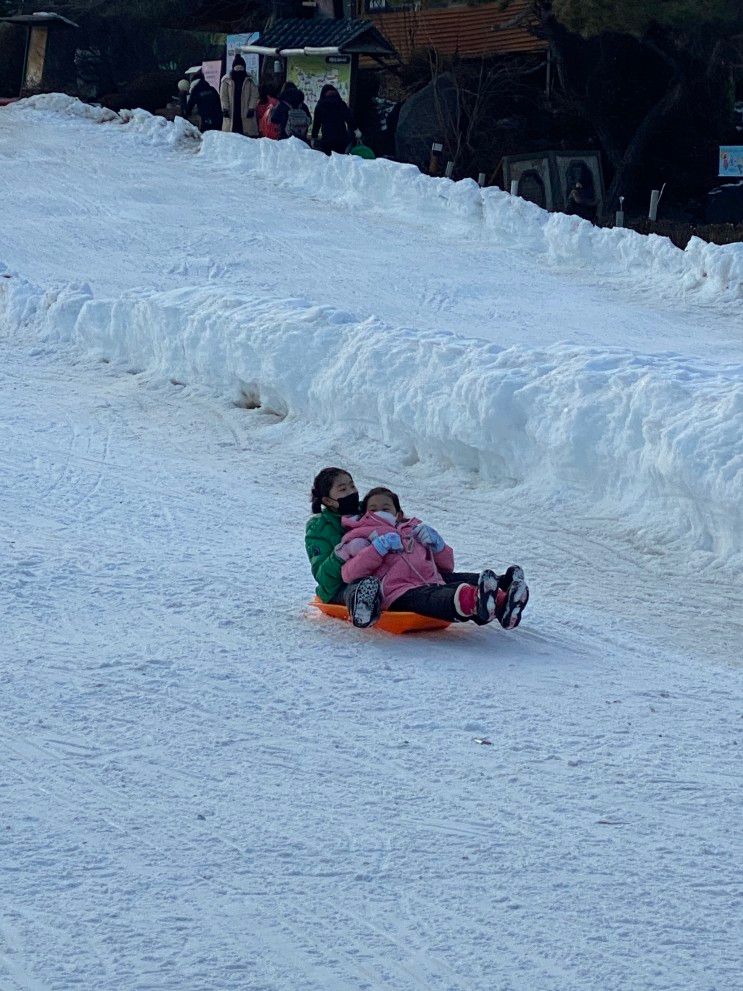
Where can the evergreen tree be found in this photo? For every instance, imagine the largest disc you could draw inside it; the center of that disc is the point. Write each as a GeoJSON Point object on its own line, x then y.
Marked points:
{"type": "Point", "coordinates": [682, 20]}
{"type": "Point", "coordinates": [688, 49]}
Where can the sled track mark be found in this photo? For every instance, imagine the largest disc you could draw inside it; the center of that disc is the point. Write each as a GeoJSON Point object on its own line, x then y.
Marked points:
{"type": "Point", "coordinates": [60, 793]}
{"type": "Point", "coordinates": [403, 972]}
{"type": "Point", "coordinates": [550, 975]}
{"type": "Point", "coordinates": [13, 976]}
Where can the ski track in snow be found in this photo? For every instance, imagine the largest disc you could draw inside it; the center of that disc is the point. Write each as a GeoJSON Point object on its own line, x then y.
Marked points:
{"type": "Point", "coordinates": [209, 786]}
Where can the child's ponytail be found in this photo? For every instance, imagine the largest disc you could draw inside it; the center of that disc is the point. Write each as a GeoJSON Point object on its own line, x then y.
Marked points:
{"type": "Point", "coordinates": [322, 485]}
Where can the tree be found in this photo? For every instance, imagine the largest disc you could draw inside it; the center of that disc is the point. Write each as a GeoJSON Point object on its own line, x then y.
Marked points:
{"type": "Point", "coordinates": [690, 49]}
{"type": "Point", "coordinates": [680, 20]}
{"type": "Point", "coordinates": [185, 14]}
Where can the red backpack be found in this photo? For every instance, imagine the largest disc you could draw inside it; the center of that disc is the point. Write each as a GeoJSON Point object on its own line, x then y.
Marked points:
{"type": "Point", "coordinates": [266, 127]}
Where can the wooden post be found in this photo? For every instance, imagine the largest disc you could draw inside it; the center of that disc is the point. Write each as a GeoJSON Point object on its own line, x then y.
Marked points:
{"type": "Point", "coordinates": [449, 169]}
{"type": "Point", "coordinates": [514, 187]}
{"type": "Point", "coordinates": [481, 179]}
{"type": "Point", "coordinates": [434, 164]}
{"type": "Point", "coordinates": [36, 55]}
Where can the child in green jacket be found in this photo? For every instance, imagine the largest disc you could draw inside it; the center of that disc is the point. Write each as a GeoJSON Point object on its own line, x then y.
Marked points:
{"type": "Point", "coordinates": [334, 495]}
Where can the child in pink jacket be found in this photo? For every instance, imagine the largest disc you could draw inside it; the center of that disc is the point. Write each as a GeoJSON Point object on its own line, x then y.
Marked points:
{"type": "Point", "coordinates": [416, 568]}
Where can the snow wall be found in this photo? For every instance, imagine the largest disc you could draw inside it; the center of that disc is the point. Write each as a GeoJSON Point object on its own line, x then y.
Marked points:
{"type": "Point", "coordinates": [651, 442]}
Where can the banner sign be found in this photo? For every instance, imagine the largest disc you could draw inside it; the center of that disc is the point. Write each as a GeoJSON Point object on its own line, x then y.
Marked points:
{"type": "Point", "coordinates": [312, 72]}
{"type": "Point", "coordinates": [731, 161]}
{"type": "Point", "coordinates": [252, 61]}
{"type": "Point", "coordinates": [212, 72]}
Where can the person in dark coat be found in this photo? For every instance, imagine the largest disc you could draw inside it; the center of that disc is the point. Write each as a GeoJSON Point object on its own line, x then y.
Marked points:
{"type": "Point", "coordinates": [290, 98]}
{"type": "Point", "coordinates": [581, 203]}
{"type": "Point", "coordinates": [288, 86]}
{"type": "Point", "coordinates": [205, 100]}
{"type": "Point", "coordinates": [333, 122]}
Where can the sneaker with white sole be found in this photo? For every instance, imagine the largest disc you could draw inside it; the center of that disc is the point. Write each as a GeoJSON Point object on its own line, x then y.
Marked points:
{"type": "Point", "coordinates": [514, 585]}
{"type": "Point", "coordinates": [487, 590]}
{"type": "Point", "coordinates": [365, 603]}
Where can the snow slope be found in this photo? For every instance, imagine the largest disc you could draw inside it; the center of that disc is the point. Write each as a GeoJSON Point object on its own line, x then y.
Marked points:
{"type": "Point", "coordinates": [207, 785]}
{"type": "Point", "coordinates": [599, 427]}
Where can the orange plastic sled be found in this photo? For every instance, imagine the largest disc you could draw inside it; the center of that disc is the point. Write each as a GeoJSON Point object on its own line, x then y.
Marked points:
{"type": "Point", "coordinates": [390, 622]}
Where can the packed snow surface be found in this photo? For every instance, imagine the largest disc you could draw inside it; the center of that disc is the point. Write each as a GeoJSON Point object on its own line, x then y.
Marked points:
{"type": "Point", "coordinates": [207, 785]}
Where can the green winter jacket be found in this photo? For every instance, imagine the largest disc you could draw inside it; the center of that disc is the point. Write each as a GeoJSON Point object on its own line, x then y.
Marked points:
{"type": "Point", "coordinates": [323, 534]}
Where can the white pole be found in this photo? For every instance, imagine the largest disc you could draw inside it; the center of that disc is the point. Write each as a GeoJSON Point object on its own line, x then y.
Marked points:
{"type": "Point", "coordinates": [481, 179]}
{"type": "Point", "coordinates": [514, 187]}
{"type": "Point", "coordinates": [449, 169]}
{"type": "Point", "coordinates": [654, 198]}
{"type": "Point", "coordinates": [619, 215]}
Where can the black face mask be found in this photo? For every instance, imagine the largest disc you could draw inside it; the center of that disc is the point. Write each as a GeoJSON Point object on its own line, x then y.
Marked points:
{"type": "Point", "coordinates": [349, 505]}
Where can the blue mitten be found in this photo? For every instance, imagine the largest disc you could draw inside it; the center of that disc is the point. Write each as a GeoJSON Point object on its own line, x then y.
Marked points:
{"type": "Point", "coordinates": [387, 542]}
{"type": "Point", "coordinates": [429, 537]}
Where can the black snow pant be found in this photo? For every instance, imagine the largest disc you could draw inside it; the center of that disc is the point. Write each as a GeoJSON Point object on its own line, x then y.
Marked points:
{"type": "Point", "coordinates": [438, 600]}
{"type": "Point", "coordinates": [457, 577]}
{"type": "Point", "coordinates": [427, 600]}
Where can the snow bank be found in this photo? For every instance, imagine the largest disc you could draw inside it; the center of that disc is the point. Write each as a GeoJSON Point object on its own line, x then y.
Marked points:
{"type": "Point", "coordinates": [653, 441]}
{"type": "Point", "coordinates": [63, 106]}
{"type": "Point", "coordinates": [713, 271]}
{"type": "Point", "coordinates": [153, 130]}
{"type": "Point", "coordinates": [143, 126]}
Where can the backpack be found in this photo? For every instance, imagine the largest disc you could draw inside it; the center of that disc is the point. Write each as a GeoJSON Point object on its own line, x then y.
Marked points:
{"type": "Point", "coordinates": [297, 124]}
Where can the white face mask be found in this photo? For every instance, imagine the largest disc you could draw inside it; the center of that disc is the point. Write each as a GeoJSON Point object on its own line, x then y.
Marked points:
{"type": "Point", "coordinates": [387, 517]}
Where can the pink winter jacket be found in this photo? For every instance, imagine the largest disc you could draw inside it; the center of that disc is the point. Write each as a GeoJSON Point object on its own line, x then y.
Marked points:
{"type": "Point", "coordinates": [398, 571]}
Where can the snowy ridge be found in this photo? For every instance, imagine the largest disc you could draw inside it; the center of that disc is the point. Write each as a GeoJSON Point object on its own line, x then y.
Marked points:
{"type": "Point", "coordinates": [209, 785]}
{"type": "Point", "coordinates": [649, 441]}
{"type": "Point", "coordinates": [713, 272]}
{"type": "Point", "coordinates": [144, 126]}
{"type": "Point", "coordinates": [710, 272]}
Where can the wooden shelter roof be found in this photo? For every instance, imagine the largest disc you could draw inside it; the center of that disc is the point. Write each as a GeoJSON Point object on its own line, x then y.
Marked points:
{"type": "Point", "coordinates": [40, 20]}
{"type": "Point", "coordinates": [462, 30]}
{"type": "Point", "coordinates": [345, 35]}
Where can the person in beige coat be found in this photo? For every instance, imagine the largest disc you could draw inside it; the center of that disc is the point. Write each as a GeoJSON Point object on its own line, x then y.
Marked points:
{"type": "Point", "coordinates": [239, 95]}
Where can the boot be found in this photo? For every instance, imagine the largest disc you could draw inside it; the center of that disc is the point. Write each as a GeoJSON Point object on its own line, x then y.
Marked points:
{"type": "Point", "coordinates": [487, 591]}
{"type": "Point", "coordinates": [509, 608]}
{"type": "Point", "coordinates": [364, 602]}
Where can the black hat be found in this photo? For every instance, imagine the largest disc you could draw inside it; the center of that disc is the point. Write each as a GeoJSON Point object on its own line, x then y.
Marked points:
{"type": "Point", "coordinates": [238, 60]}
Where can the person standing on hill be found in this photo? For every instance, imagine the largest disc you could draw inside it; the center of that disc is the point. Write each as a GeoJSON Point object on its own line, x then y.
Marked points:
{"type": "Point", "coordinates": [205, 100]}
{"type": "Point", "coordinates": [239, 96]}
{"type": "Point", "coordinates": [291, 102]}
{"type": "Point", "coordinates": [267, 100]}
{"type": "Point", "coordinates": [333, 122]}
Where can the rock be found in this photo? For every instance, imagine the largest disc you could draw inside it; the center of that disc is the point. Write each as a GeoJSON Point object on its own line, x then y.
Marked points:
{"type": "Point", "coordinates": [725, 204]}
{"type": "Point", "coordinates": [427, 116]}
